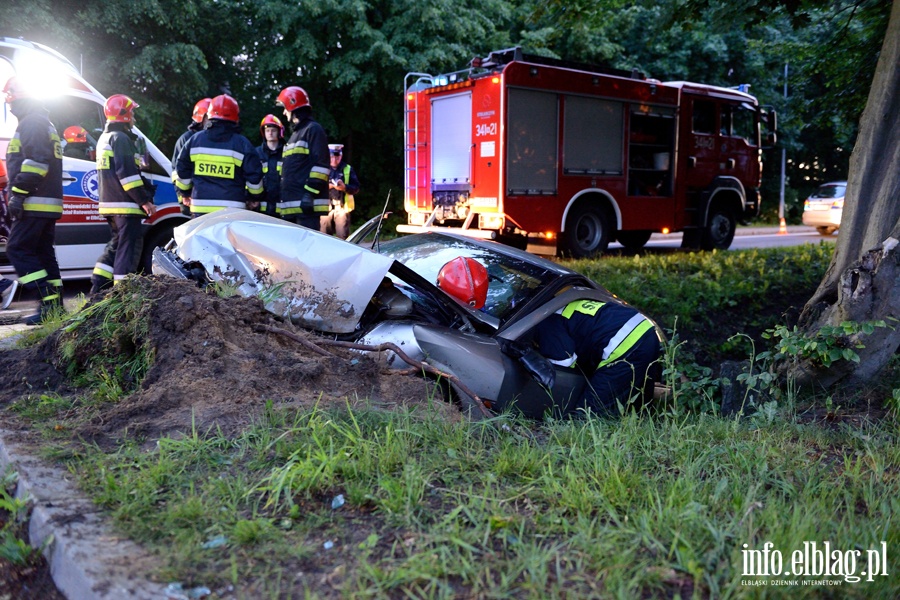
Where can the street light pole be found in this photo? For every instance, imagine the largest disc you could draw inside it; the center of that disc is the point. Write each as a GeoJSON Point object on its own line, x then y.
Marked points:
{"type": "Point", "coordinates": [782, 226]}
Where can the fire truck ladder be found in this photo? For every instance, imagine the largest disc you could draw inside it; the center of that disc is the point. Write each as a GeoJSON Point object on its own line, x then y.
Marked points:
{"type": "Point", "coordinates": [411, 125]}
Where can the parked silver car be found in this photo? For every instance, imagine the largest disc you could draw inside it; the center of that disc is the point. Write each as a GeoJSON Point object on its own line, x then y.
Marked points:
{"type": "Point", "coordinates": [823, 209]}
{"type": "Point", "coordinates": [350, 292]}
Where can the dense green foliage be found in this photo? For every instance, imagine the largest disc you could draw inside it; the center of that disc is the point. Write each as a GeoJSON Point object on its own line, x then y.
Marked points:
{"type": "Point", "coordinates": [708, 297]}
{"type": "Point", "coordinates": [351, 57]}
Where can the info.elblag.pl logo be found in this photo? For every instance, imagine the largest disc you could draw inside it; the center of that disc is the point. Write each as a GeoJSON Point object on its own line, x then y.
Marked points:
{"type": "Point", "coordinates": [813, 559]}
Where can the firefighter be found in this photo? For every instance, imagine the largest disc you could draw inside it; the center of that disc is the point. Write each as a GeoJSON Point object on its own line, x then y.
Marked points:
{"type": "Point", "coordinates": [342, 186]}
{"type": "Point", "coordinates": [125, 198]}
{"type": "Point", "coordinates": [219, 167]}
{"type": "Point", "coordinates": [34, 165]}
{"type": "Point", "coordinates": [198, 122]}
{"type": "Point", "coordinates": [8, 287]}
{"type": "Point", "coordinates": [304, 177]}
{"type": "Point", "coordinates": [77, 144]}
{"type": "Point", "coordinates": [614, 346]}
{"type": "Point", "coordinates": [272, 132]}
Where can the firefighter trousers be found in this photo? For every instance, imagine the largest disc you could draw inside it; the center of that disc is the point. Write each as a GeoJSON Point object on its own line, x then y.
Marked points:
{"type": "Point", "coordinates": [30, 250]}
{"type": "Point", "coordinates": [122, 253]}
{"type": "Point", "coordinates": [623, 379]}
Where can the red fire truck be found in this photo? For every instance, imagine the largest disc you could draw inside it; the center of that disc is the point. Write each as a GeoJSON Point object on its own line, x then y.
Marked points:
{"type": "Point", "coordinates": [517, 145]}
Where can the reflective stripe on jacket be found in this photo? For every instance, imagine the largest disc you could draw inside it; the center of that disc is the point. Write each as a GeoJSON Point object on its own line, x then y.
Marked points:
{"type": "Point", "coordinates": [305, 168]}
{"type": "Point", "coordinates": [122, 189]}
{"type": "Point", "coordinates": [34, 165]}
{"type": "Point", "coordinates": [624, 336]}
{"type": "Point", "coordinates": [272, 167]}
{"type": "Point", "coordinates": [219, 168]}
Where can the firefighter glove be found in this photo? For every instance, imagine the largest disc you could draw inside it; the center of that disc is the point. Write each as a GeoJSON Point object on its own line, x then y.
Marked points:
{"type": "Point", "coordinates": [16, 206]}
{"type": "Point", "coordinates": [306, 202]}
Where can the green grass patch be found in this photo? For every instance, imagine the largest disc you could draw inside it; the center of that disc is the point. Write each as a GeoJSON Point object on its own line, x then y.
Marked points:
{"type": "Point", "coordinates": [390, 504]}
{"type": "Point", "coordinates": [630, 508]}
{"type": "Point", "coordinates": [708, 297]}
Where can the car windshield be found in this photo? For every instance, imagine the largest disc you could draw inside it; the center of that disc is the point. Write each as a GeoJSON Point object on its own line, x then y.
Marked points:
{"type": "Point", "coordinates": [512, 282]}
{"type": "Point", "coordinates": [829, 192]}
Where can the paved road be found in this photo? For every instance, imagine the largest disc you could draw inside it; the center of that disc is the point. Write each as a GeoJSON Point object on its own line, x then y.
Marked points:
{"type": "Point", "coordinates": [750, 237]}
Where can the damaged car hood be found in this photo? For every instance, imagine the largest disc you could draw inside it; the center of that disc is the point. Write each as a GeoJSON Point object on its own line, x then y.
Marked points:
{"type": "Point", "coordinates": [313, 279]}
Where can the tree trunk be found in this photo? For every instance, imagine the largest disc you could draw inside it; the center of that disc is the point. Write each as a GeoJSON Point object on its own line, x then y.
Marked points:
{"type": "Point", "coordinates": [863, 281]}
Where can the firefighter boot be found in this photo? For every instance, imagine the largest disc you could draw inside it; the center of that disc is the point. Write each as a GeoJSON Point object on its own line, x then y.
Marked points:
{"type": "Point", "coordinates": [99, 283]}
{"type": "Point", "coordinates": [51, 303]}
{"type": "Point", "coordinates": [45, 309]}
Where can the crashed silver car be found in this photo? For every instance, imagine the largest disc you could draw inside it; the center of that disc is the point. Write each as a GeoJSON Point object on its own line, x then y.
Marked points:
{"type": "Point", "coordinates": [355, 294]}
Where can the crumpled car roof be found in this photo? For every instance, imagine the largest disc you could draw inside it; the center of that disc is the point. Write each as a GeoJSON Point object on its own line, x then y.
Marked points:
{"type": "Point", "coordinates": [315, 280]}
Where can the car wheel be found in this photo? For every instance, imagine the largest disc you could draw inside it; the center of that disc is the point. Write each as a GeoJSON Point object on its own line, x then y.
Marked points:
{"type": "Point", "coordinates": [633, 240]}
{"type": "Point", "coordinates": [826, 230]}
{"type": "Point", "coordinates": [719, 231]}
{"type": "Point", "coordinates": [587, 232]}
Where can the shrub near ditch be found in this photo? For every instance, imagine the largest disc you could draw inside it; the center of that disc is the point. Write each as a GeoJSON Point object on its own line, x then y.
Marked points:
{"type": "Point", "coordinates": [708, 297]}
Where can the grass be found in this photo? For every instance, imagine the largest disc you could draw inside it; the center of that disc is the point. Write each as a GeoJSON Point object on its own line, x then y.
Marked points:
{"type": "Point", "coordinates": [372, 504]}
{"type": "Point", "coordinates": [642, 506]}
{"type": "Point", "coordinates": [704, 289]}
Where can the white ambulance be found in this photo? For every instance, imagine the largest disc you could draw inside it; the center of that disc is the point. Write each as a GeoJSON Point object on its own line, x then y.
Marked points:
{"type": "Point", "coordinates": [81, 233]}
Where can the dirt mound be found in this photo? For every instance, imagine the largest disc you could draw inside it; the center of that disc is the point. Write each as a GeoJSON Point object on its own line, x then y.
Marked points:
{"type": "Point", "coordinates": [211, 364]}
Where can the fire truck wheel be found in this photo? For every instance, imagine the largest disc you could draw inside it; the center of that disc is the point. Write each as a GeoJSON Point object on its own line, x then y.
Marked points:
{"type": "Point", "coordinates": [587, 232]}
{"type": "Point", "coordinates": [633, 240]}
{"type": "Point", "coordinates": [719, 230]}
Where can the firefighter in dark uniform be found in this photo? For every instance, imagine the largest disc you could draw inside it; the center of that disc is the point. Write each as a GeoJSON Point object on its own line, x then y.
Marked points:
{"type": "Point", "coordinates": [305, 164]}
{"type": "Point", "coordinates": [272, 132]}
{"type": "Point", "coordinates": [219, 167]}
{"type": "Point", "coordinates": [343, 185]}
{"type": "Point", "coordinates": [614, 346]}
{"type": "Point", "coordinates": [34, 166]}
{"type": "Point", "coordinates": [198, 123]}
{"type": "Point", "coordinates": [125, 198]}
{"type": "Point", "coordinates": [77, 143]}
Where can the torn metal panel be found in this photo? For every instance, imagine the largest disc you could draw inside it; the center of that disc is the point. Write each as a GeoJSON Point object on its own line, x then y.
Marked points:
{"type": "Point", "coordinates": [315, 280]}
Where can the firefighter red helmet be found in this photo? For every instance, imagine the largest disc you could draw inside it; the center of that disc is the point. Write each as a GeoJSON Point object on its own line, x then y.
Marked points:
{"type": "Point", "coordinates": [75, 135]}
{"type": "Point", "coordinates": [14, 90]}
{"type": "Point", "coordinates": [200, 109]}
{"type": "Point", "coordinates": [292, 98]}
{"type": "Point", "coordinates": [119, 108]}
{"type": "Point", "coordinates": [465, 279]}
{"type": "Point", "coordinates": [271, 121]}
{"type": "Point", "coordinates": [224, 107]}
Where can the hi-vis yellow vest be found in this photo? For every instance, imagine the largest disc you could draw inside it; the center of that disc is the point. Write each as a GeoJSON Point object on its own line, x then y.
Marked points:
{"type": "Point", "coordinates": [349, 202]}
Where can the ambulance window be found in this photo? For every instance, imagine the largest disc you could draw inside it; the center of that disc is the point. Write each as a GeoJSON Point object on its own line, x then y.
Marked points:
{"type": "Point", "coordinates": [66, 111]}
{"type": "Point", "coordinates": [704, 117]}
{"type": "Point", "coordinates": [593, 136]}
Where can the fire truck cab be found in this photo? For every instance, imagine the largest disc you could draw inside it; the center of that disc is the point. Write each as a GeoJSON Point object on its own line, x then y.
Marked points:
{"type": "Point", "coordinates": [516, 146]}
{"type": "Point", "coordinates": [81, 233]}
